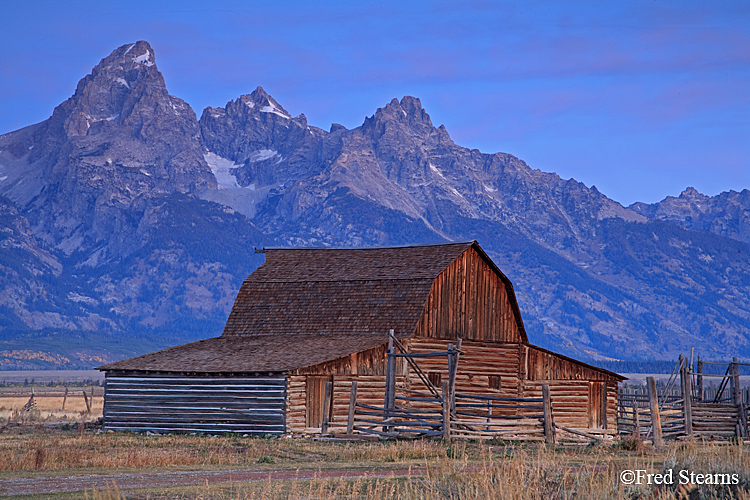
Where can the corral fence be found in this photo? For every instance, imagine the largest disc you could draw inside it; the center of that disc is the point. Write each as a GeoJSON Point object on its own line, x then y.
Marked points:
{"type": "Point", "coordinates": [475, 417]}
{"type": "Point", "coordinates": [444, 413]}
{"type": "Point", "coordinates": [684, 407]}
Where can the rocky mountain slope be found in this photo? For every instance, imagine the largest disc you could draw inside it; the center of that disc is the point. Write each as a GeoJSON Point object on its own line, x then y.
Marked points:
{"type": "Point", "coordinates": [128, 220]}
{"type": "Point", "coordinates": [104, 235]}
{"type": "Point", "coordinates": [727, 214]}
{"type": "Point", "coordinates": [594, 278]}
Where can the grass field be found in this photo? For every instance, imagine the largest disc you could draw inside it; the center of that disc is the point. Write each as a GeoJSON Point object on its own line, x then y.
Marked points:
{"type": "Point", "coordinates": [462, 470]}
{"type": "Point", "coordinates": [68, 456]}
{"type": "Point", "coordinates": [49, 403]}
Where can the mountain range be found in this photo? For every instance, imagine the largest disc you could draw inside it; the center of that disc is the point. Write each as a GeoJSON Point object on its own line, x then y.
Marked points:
{"type": "Point", "coordinates": [128, 224]}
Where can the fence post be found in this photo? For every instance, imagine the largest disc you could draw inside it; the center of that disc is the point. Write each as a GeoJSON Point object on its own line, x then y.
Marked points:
{"type": "Point", "coordinates": [655, 417]}
{"type": "Point", "coordinates": [452, 376]}
{"type": "Point", "coordinates": [86, 400]}
{"type": "Point", "coordinates": [737, 398]}
{"type": "Point", "coordinates": [452, 360]}
{"type": "Point", "coordinates": [549, 424]}
{"type": "Point", "coordinates": [687, 407]}
{"type": "Point", "coordinates": [326, 407]}
{"type": "Point", "coordinates": [446, 412]}
{"type": "Point", "coordinates": [700, 379]}
{"type": "Point", "coordinates": [604, 406]}
{"type": "Point", "coordinates": [489, 415]}
{"type": "Point", "coordinates": [637, 419]}
{"type": "Point", "coordinates": [390, 382]}
{"type": "Point", "coordinates": [65, 398]}
{"type": "Point", "coordinates": [352, 406]}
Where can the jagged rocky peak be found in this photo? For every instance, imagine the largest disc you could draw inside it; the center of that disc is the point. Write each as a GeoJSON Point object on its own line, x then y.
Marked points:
{"type": "Point", "coordinates": [255, 127]}
{"type": "Point", "coordinates": [688, 203]}
{"type": "Point", "coordinates": [121, 137]}
{"type": "Point", "coordinates": [405, 116]}
{"type": "Point", "coordinates": [409, 110]}
{"type": "Point", "coordinates": [260, 101]}
{"type": "Point", "coordinates": [112, 91]}
{"type": "Point", "coordinates": [258, 104]}
{"type": "Point", "coordinates": [692, 194]}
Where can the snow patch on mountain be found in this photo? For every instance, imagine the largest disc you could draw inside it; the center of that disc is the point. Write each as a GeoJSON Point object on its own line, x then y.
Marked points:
{"type": "Point", "coordinates": [434, 169]}
{"type": "Point", "coordinates": [221, 168]}
{"type": "Point", "coordinates": [273, 109]}
{"type": "Point", "coordinates": [144, 59]}
{"type": "Point", "coordinates": [263, 154]}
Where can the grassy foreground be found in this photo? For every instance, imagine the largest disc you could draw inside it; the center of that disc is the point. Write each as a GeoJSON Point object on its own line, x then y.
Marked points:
{"type": "Point", "coordinates": [463, 470]}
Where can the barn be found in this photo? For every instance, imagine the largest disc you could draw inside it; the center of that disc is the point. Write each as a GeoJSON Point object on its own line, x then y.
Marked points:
{"type": "Point", "coordinates": [309, 316]}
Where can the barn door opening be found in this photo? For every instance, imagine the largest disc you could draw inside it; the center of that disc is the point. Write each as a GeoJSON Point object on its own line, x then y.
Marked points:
{"type": "Point", "coordinates": [596, 405]}
{"type": "Point", "coordinates": [315, 388]}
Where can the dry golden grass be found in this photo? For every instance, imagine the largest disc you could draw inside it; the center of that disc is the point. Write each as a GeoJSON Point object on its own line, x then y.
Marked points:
{"type": "Point", "coordinates": [460, 471]}
{"type": "Point", "coordinates": [520, 474]}
{"type": "Point", "coordinates": [49, 402]}
{"type": "Point", "coordinates": [56, 450]}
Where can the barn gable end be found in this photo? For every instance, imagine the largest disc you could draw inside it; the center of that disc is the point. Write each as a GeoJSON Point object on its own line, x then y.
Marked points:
{"type": "Point", "coordinates": [473, 300]}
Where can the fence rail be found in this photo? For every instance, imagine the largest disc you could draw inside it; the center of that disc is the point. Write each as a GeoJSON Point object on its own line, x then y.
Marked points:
{"type": "Point", "coordinates": [686, 408]}
{"type": "Point", "coordinates": [475, 416]}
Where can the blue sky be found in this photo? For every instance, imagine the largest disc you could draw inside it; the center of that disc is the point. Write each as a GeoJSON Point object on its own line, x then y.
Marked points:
{"type": "Point", "coordinates": [640, 98]}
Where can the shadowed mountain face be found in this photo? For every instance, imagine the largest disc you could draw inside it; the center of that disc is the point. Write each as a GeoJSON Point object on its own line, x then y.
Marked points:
{"type": "Point", "coordinates": [127, 218]}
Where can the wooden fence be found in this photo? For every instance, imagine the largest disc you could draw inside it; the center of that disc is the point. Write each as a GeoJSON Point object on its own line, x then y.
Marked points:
{"type": "Point", "coordinates": [474, 417]}
{"type": "Point", "coordinates": [441, 412]}
{"type": "Point", "coordinates": [684, 407]}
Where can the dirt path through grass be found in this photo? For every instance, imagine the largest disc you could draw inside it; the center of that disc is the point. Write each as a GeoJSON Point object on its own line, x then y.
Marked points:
{"type": "Point", "coordinates": [37, 485]}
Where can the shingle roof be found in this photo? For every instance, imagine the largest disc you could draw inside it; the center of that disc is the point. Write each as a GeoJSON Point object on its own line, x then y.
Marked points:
{"type": "Point", "coordinates": [305, 306]}
{"type": "Point", "coordinates": [355, 291]}
{"type": "Point", "coordinates": [248, 354]}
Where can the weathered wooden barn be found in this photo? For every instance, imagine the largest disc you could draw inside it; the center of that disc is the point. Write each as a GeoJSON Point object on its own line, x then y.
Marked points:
{"type": "Point", "coordinates": [308, 316]}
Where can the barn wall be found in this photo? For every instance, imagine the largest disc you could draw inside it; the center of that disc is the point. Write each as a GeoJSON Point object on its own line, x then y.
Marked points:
{"type": "Point", "coordinates": [469, 300]}
{"type": "Point", "coordinates": [180, 403]}
{"type": "Point", "coordinates": [370, 390]}
{"type": "Point", "coordinates": [502, 369]}
{"type": "Point", "coordinates": [571, 402]}
{"type": "Point", "coordinates": [476, 365]}
{"type": "Point", "coordinates": [545, 365]}
{"type": "Point", "coordinates": [367, 367]}
{"type": "Point", "coordinates": [522, 371]}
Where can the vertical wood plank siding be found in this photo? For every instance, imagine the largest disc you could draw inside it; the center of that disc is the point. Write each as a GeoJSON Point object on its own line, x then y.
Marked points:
{"type": "Point", "coordinates": [469, 300]}
{"type": "Point", "coordinates": [202, 404]}
{"type": "Point", "coordinates": [545, 365]}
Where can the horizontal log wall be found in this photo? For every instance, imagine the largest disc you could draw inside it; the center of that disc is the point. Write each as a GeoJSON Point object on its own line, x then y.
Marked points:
{"type": "Point", "coordinates": [201, 404]}
{"type": "Point", "coordinates": [481, 360]}
{"type": "Point", "coordinates": [714, 421]}
{"type": "Point", "coordinates": [469, 300]}
{"type": "Point", "coordinates": [367, 367]}
{"type": "Point", "coordinates": [570, 402]}
{"type": "Point", "coordinates": [484, 368]}
{"type": "Point", "coordinates": [478, 362]}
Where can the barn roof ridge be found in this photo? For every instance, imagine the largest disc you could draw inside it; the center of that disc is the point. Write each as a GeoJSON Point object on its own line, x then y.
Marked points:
{"type": "Point", "coordinates": [384, 247]}
{"type": "Point", "coordinates": [333, 280]}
